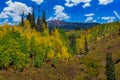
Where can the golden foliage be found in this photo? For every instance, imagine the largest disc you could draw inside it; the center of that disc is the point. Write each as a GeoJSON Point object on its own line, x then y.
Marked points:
{"type": "Point", "coordinates": [24, 41]}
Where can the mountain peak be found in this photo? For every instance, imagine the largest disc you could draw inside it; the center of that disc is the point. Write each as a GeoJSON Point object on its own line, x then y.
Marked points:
{"type": "Point", "coordinates": [70, 25]}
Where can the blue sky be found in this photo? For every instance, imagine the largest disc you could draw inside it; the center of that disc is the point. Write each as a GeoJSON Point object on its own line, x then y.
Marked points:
{"type": "Point", "coordinates": [101, 11]}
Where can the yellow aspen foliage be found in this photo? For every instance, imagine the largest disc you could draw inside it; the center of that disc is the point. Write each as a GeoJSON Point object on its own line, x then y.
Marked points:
{"type": "Point", "coordinates": [80, 45]}
{"type": "Point", "coordinates": [56, 34]}
{"type": "Point", "coordinates": [51, 54]}
{"type": "Point", "coordinates": [97, 38]}
{"type": "Point", "coordinates": [45, 32]}
{"type": "Point", "coordinates": [27, 24]}
{"type": "Point", "coordinates": [64, 54]}
{"type": "Point", "coordinates": [44, 29]}
{"type": "Point", "coordinates": [20, 44]}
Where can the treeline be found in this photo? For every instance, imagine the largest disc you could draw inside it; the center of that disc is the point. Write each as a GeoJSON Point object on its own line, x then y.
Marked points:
{"type": "Point", "coordinates": [40, 24]}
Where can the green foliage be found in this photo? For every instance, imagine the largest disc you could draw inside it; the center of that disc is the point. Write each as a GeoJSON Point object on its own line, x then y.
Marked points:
{"type": "Point", "coordinates": [20, 46]}
{"type": "Point", "coordinates": [72, 44]}
{"type": "Point", "coordinates": [81, 40]}
{"type": "Point", "coordinates": [92, 64]}
{"type": "Point", "coordinates": [110, 68]}
{"type": "Point", "coordinates": [13, 50]}
{"type": "Point", "coordinates": [22, 19]}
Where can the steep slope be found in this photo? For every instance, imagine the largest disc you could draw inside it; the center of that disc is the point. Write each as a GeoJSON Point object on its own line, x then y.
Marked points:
{"type": "Point", "coordinates": [98, 54]}
{"type": "Point", "coordinates": [89, 67]}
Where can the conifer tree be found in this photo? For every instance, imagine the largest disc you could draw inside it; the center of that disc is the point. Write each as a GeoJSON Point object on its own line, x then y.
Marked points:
{"type": "Point", "coordinates": [39, 20]}
{"type": "Point", "coordinates": [29, 17]}
{"type": "Point", "coordinates": [44, 18]}
{"type": "Point", "coordinates": [73, 42]}
{"type": "Point", "coordinates": [33, 24]}
{"type": "Point", "coordinates": [110, 69]}
{"type": "Point", "coordinates": [86, 45]}
{"type": "Point", "coordinates": [22, 19]}
{"type": "Point", "coordinates": [39, 26]}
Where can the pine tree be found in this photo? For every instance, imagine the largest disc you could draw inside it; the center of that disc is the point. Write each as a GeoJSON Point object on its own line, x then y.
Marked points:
{"type": "Point", "coordinates": [39, 22]}
{"type": "Point", "coordinates": [44, 19]}
{"type": "Point", "coordinates": [33, 24]}
{"type": "Point", "coordinates": [29, 17]}
{"type": "Point", "coordinates": [22, 19]}
{"type": "Point", "coordinates": [110, 69]}
{"type": "Point", "coordinates": [43, 16]}
{"type": "Point", "coordinates": [73, 42]}
{"type": "Point", "coordinates": [86, 45]}
{"type": "Point", "coordinates": [39, 26]}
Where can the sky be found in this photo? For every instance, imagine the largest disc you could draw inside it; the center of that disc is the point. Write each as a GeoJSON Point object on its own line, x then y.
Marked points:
{"type": "Point", "coordinates": [100, 11]}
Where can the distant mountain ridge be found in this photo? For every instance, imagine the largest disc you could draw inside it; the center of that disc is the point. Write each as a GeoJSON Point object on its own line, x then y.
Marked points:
{"type": "Point", "coordinates": [70, 25]}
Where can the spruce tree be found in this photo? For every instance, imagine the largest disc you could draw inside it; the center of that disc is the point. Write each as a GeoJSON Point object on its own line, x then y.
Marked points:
{"type": "Point", "coordinates": [39, 26]}
{"type": "Point", "coordinates": [22, 19]}
{"type": "Point", "coordinates": [73, 42]}
{"type": "Point", "coordinates": [33, 24]}
{"type": "Point", "coordinates": [110, 68]}
{"type": "Point", "coordinates": [39, 22]}
{"type": "Point", "coordinates": [44, 18]}
{"type": "Point", "coordinates": [29, 17]}
{"type": "Point", "coordinates": [86, 45]}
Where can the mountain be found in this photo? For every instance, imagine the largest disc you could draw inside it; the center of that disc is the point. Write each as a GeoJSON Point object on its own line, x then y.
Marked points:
{"type": "Point", "coordinates": [70, 25]}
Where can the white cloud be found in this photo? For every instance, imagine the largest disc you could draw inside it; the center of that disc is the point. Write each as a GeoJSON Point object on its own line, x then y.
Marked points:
{"type": "Point", "coordinates": [108, 18]}
{"type": "Point", "coordinates": [89, 19]}
{"type": "Point", "coordinates": [86, 5]}
{"type": "Point", "coordinates": [14, 10]}
{"type": "Point", "coordinates": [71, 3]}
{"type": "Point", "coordinates": [105, 2]}
{"type": "Point", "coordinates": [3, 15]}
{"type": "Point", "coordinates": [116, 14]}
{"type": "Point", "coordinates": [90, 14]}
{"type": "Point", "coordinates": [94, 21]}
{"type": "Point", "coordinates": [38, 1]}
{"type": "Point", "coordinates": [59, 13]}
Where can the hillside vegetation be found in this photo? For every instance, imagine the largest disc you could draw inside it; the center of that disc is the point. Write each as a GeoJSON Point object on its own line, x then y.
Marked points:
{"type": "Point", "coordinates": [26, 53]}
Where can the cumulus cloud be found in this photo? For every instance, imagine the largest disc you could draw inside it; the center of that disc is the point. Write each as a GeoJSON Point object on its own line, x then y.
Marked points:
{"type": "Point", "coordinates": [14, 10]}
{"type": "Point", "coordinates": [71, 3]}
{"type": "Point", "coordinates": [105, 2]}
{"type": "Point", "coordinates": [59, 13]}
{"type": "Point", "coordinates": [116, 14]}
{"type": "Point", "coordinates": [38, 1]}
{"type": "Point", "coordinates": [94, 21]}
{"type": "Point", "coordinates": [108, 18]}
{"type": "Point", "coordinates": [3, 15]}
{"type": "Point", "coordinates": [86, 5]}
{"type": "Point", "coordinates": [89, 19]}
{"type": "Point", "coordinates": [90, 14]}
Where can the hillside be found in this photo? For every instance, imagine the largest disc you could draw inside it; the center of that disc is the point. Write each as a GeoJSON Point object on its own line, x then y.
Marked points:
{"type": "Point", "coordinates": [69, 66]}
